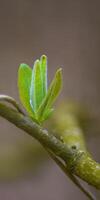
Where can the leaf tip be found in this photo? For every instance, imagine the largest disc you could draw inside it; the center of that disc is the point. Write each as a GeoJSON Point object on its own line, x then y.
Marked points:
{"type": "Point", "coordinates": [43, 57]}
{"type": "Point", "coordinates": [59, 73]}
{"type": "Point", "coordinates": [59, 70]}
{"type": "Point", "coordinates": [37, 62]}
{"type": "Point", "coordinates": [22, 65]}
{"type": "Point", "coordinates": [36, 65]}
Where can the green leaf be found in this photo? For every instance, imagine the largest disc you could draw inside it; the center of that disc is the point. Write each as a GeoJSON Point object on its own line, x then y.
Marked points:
{"type": "Point", "coordinates": [33, 89]}
{"type": "Point", "coordinates": [24, 82]}
{"type": "Point", "coordinates": [47, 114]}
{"type": "Point", "coordinates": [52, 93]}
{"type": "Point", "coordinates": [36, 91]}
{"type": "Point", "coordinates": [43, 67]}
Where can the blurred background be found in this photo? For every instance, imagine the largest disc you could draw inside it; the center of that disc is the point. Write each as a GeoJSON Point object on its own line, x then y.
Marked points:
{"type": "Point", "coordinates": [68, 32]}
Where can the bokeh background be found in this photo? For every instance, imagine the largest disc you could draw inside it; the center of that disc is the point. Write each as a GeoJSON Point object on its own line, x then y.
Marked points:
{"type": "Point", "coordinates": [68, 32]}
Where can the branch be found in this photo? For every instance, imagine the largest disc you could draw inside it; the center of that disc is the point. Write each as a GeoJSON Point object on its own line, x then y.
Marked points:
{"type": "Point", "coordinates": [25, 123]}
{"type": "Point", "coordinates": [72, 177]}
{"type": "Point", "coordinates": [11, 101]}
{"type": "Point", "coordinates": [79, 162]}
{"type": "Point", "coordinates": [67, 125]}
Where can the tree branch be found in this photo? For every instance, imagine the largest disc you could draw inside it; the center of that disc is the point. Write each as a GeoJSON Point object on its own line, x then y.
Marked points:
{"type": "Point", "coordinates": [79, 162]}
{"type": "Point", "coordinates": [72, 177]}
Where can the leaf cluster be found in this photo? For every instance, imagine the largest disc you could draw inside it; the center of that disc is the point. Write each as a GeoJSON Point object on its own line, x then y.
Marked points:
{"type": "Point", "coordinates": [35, 96]}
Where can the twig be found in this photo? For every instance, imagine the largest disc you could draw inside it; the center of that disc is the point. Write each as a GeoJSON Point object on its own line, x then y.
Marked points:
{"type": "Point", "coordinates": [71, 176]}
{"type": "Point", "coordinates": [11, 101]}
{"type": "Point", "coordinates": [82, 166]}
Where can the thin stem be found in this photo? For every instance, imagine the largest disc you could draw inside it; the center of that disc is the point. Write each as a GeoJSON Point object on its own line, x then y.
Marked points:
{"type": "Point", "coordinates": [11, 101]}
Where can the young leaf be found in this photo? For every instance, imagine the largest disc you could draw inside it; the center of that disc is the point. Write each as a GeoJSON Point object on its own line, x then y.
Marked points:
{"type": "Point", "coordinates": [24, 82]}
{"type": "Point", "coordinates": [36, 92]}
{"type": "Point", "coordinates": [43, 67]}
{"type": "Point", "coordinates": [52, 93]}
{"type": "Point", "coordinates": [47, 114]}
